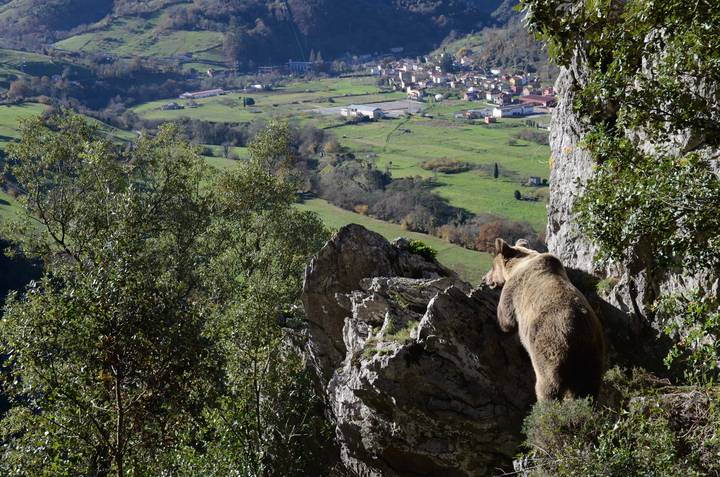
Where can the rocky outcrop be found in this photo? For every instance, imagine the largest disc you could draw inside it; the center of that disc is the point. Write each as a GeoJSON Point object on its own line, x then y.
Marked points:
{"type": "Point", "coordinates": [630, 287]}
{"type": "Point", "coordinates": [419, 378]}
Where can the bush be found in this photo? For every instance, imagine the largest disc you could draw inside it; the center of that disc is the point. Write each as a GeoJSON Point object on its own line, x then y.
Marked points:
{"type": "Point", "coordinates": [647, 434]}
{"type": "Point", "coordinates": [446, 165]}
{"type": "Point", "coordinates": [420, 248]}
{"type": "Point", "coordinates": [693, 320]}
{"type": "Point", "coordinates": [530, 135]}
{"type": "Point", "coordinates": [510, 231]}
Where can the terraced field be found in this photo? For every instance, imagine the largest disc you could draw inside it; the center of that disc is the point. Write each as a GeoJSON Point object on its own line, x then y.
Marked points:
{"type": "Point", "coordinates": [129, 36]}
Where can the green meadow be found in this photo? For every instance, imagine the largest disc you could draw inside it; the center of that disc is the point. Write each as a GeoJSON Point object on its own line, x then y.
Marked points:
{"type": "Point", "coordinates": [16, 64]}
{"type": "Point", "coordinates": [470, 265]}
{"type": "Point", "coordinates": [291, 100]}
{"type": "Point", "coordinates": [401, 146]}
{"type": "Point", "coordinates": [141, 36]}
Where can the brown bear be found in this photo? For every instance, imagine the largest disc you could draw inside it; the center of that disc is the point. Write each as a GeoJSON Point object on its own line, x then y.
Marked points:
{"type": "Point", "coordinates": [557, 325]}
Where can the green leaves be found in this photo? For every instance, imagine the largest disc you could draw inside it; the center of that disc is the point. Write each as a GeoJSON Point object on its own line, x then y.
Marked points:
{"type": "Point", "coordinates": [158, 328]}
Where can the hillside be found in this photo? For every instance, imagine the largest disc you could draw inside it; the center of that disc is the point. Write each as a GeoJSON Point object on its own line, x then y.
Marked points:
{"type": "Point", "coordinates": [256, 31]}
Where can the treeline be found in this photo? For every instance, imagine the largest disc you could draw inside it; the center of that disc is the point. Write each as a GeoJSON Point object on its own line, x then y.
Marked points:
{"type": "Point", "coordinates": [98, 82]}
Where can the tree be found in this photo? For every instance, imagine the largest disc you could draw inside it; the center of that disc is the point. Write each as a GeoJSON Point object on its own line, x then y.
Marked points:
{"type": "Point", "coordinates": [518, 195]}
{"type": "Point", "coordinates": [158, 337]}
{"type": "Point", "coordinates": [496, 171]}
{"type": "Point", "coordinates": [108, 361]}
{"type": "Point", "coordinates": [447, 63]}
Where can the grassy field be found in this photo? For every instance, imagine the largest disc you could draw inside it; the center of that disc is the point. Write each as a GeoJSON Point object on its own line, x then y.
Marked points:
{"type": "Point", "coordinates": [401, 146]}
{"type": "Point", "coordinates": [470, 265]}
{"type": "Point", "coordinates": [291, 100]}
{"type": "Point", "coordinates": [398, 145]}
{"type": "Point", "coordinates": [141, 36]}
{"type": "Point", "coordinates": [10, 115]}
{"type": "Point", "coordinates": [16, 64]}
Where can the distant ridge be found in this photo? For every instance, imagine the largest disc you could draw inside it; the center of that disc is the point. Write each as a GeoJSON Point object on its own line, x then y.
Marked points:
{"type": "Point", "coordinates": [331, 27]}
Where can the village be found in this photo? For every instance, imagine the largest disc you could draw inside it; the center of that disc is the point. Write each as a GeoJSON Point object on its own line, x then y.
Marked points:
{"type": "Point", "coordinates": [490, 93]}
{"type": "Point", "coordinates": [504, 94]}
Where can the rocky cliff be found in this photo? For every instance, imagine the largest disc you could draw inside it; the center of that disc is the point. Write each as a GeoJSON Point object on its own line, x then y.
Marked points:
{"type": "Point", "coordinates": [631, 287]}
{"type": "Point", "coordinates": [419, 378]}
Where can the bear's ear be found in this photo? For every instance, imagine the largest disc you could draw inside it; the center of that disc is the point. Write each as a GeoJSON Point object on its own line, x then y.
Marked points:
{"type": "Point", "coordinates": [503, 248]}
{"type": "Point", "coordinates": [499, 245]}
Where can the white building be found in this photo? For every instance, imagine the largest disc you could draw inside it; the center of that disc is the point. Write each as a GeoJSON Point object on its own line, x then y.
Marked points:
{"type": "Point", "coordinates": [361, 110]}
{"type": "Point", "coordinates": [512, 111]}
{"type": "Point", "coordinates": [203, 94]}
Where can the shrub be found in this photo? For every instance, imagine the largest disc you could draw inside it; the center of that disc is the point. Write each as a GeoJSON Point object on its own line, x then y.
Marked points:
{"type": "Point", "coordinates": [361, 209]}
{"type": "Point", "coordinates": [446, 165]}
{"type": "Point", "coordinates": [647, 434]}
{"type": "Point", "coordinates": [605, 286]}
{"type": "Point", "coordinates": [694, 321]}
{"type": "Point", "coordinates": [510, 231]}
{"type": "Point", "coordinates": [536, 136]}
{"type": "Point", "coordinates": [420, 248]}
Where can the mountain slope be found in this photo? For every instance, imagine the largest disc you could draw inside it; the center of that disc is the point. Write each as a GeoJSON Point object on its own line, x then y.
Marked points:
{"type": "Point", "coordinates": [261, 31]}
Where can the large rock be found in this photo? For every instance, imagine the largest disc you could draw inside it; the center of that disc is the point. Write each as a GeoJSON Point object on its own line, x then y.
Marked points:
{"type": "Point", "coordinates": [418, 376]}
{"type": "Point", "coordinates": [632, 287]}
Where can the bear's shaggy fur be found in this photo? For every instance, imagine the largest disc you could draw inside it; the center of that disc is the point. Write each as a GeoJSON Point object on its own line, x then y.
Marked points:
{"type": "Point", "coordinates": [557, 326]}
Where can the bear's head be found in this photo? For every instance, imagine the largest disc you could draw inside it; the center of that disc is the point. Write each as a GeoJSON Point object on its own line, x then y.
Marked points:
{"type": "Point", "coordinates": [507, 257]}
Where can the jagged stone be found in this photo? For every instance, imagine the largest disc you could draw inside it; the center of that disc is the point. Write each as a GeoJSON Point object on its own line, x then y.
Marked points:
{"type": "Point", "coordinates": [418, 376]}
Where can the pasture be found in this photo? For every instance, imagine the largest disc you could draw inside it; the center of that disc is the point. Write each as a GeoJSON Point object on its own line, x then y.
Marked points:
{"type": "Point", "coordinates": [129, 36]}
{"type": "Point", "coordinates": [401, 146]}
{"type": "Point", "coordinates": [469, 264]}
{"type": "Point", "coordinates": [296, 98]}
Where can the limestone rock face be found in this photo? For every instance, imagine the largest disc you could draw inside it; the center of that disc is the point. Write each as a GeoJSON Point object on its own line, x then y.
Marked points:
{"type": "Point", "coordinates": [419, 378]}
{"type": "Point", "coordinates": [625, 304]}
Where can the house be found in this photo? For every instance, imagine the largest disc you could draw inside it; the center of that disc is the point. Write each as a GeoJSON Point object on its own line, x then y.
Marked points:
{"type": "Point", "coordinates": [501, 99]}
{"type": "Point", "coordinates": [415, 93]}
{"type": "Point", "coordinates": [362, 111]}
{"type": "Point", "coordinates": [203, 94]}
{"type": "Point", "coordinates": [549, 91]}
{"type": "Point", "coordinates": [537, 100]}
{"type": "Point", "coordinates": [269, 70]}
{"type": "Point", "coordinates": [534, 181]}
{"type": "Point", "coordinates": [472, 94]}
{"type": "Point", "coordinates": [489, 119]}
{"type": "Point", "coordinates": [476, 113]}
{"type": "Point", "coordinates": [418, 77]}
{"type": "Point", "coordinates": [300, 66]}
{"type": "Point", "coordinates": [513, 110]}
{"type": "Point", "coordinates": [172, 106]}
